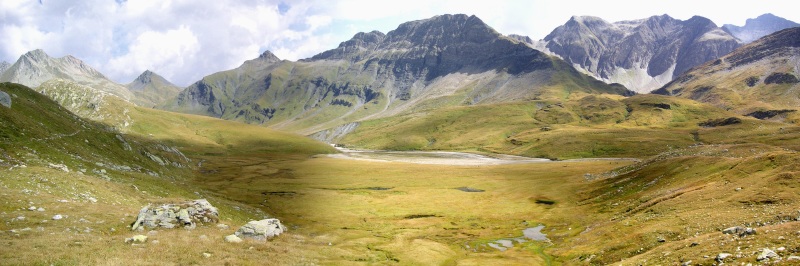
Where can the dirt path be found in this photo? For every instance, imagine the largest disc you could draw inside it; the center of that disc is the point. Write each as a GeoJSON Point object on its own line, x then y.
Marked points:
{"type": "Point", "coordinates": [443, 157]}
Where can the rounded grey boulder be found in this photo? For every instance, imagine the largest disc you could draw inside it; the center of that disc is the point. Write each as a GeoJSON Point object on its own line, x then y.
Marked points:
{"type": "Point", "coordinates": [5, 99]}
{"type": "Point", "coordinates": [261, 230]}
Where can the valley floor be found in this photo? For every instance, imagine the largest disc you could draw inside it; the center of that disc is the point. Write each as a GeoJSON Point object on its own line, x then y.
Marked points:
{"type": "Point", "coordinates": [365, 211]}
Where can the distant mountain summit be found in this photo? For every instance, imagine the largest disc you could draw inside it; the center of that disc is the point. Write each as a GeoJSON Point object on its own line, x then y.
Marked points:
{"type": "Point", "coordinates": [761, 26]}
{"type": "Point", "coordinates": [36, 67]}
{"type": "Point", "coordinates": [151, 88]}
{"type": "Point", "coordinates": [759, 77]}
{"type": "Point", "coordinates": [445, 60]}
{"type": "Point", "coordinates": [641, 54]}
{"type": "Point", "coordinates": [440, 45]}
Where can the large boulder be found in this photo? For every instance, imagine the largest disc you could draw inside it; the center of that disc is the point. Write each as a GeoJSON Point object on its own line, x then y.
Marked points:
{"type": "Point", "coordinates": [261, 230]}
{"type": "Point", "coordinates": [767, 254]}
{"type": "Point", "coordinates": [5, 99]}
{"type": "Point", "coordinates": [187, 214]}
{"type": "Point", "coordinates": [739, 231]}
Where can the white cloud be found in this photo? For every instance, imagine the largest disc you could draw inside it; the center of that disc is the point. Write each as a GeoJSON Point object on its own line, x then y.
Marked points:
{"type": "Point", "coordinates": [168, 51]}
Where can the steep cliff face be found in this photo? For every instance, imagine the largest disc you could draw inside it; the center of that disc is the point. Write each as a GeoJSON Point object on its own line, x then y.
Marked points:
{"type": "Point", "coordinates": [442, 61]}
{"type": "Point", "coordinates": [761, 26]}
{"type": "Point", "coordinates": [640, 54]}
{"type": "Point", "coordinates": [759, 77]}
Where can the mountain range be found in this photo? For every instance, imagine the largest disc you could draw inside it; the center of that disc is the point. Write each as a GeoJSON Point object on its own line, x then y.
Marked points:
{"type": "Point", "coordinates": [640, 54]}
{"type": "Point", "coordinates": [703, 165]}
{"type": "Point", "coordinates": [36, 68]}
{"type": "Point", "coordinates": [448, 60]}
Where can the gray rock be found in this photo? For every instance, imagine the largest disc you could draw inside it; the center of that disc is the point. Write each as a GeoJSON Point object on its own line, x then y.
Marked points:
{"type": "Point", "coordinates": [261, 230]}
{"type": "Point", "coordinates": [793, 258]}
{"type": "Point", "coordinates": [232, 239]}
{"type": "Point", "coordinates": [186, 214]}
{"type": "Point", "coordinates": [206, 255]}
{"type": "Point", "coordinates": [739, 231]}
{"type": "Point", "coordinates": [137, 239]}
{"type": "Point", "coordinates": [723, 256]}
{"type": "Point", "coordinates": [767, 254]}
{"type": "Point", "coordinates": [5, 99]}
{"type": "Point", "coordinates": [58, 217]}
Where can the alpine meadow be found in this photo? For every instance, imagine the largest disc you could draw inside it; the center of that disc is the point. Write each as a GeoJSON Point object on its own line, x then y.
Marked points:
{"type": "Point", "coordinates": [654, 141]}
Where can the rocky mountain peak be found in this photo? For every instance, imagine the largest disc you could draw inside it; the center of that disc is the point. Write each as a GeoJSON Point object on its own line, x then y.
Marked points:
{"type": "Point", "coordinates": [589, 21]}
{"type": "Point", "coordinates": [434, 33]}
{"type": "Point", "coordinates": [151, 88]}
{"type": "Point", "coordinates": [36, 55]}
{"type": "Point", "coordinates": [441, 31]}
{"type": "Point", "coordinates": [147, 77]}
{"type": "Point", "coordinates": [36, 67]}
{"type": "Point", "coordinates": [521, 38]}
{"type": "Point", "coordinates": [761, 26]}
{"type": "Point", "coordinates": [269, 56]}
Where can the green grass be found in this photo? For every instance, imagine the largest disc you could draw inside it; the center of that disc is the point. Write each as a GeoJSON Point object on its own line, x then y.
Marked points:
{"type": "Point", "coordinates": [587, 126]}
{"type": "Point", "coordinates": [613, 212]}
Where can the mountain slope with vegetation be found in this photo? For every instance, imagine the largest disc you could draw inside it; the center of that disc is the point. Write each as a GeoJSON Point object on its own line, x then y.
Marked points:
{"type": "Point", "coordinates": [759, 79]}
{"type": "Point", "coordinates": [72, 187]}
{"type": "Point", "coordinates": [447, 60]}
{"type": "Point", "coordinates": [151, 89]}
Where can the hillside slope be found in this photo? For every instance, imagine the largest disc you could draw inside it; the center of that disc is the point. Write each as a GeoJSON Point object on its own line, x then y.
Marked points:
{"type": "Point", "coordinates": [72, 187]}
{"type": "Point", "coordinates": [759, 79]}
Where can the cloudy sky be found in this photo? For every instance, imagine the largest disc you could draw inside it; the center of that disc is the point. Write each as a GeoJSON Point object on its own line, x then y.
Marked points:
{"type": "Point", "coordinates": [184, 40]}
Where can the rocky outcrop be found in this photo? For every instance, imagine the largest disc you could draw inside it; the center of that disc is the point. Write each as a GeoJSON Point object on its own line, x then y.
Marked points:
{"type": "Point", "coordinates": [186, 214]}
{"type": "Point", "coordinates": [260, 230]}
{"type": "Point", "coordinates": [5, 99]}
{"type": "Point", "coordinates": [332, 135]}
{"type": "Point", "coordinates": [641, 54]}
{"type": "Point", "coordinates": [720, 122]}
{"type": "Point", "coordinates": [761, 26]}
{"type": "Point", "coordinates": [739, 231]}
